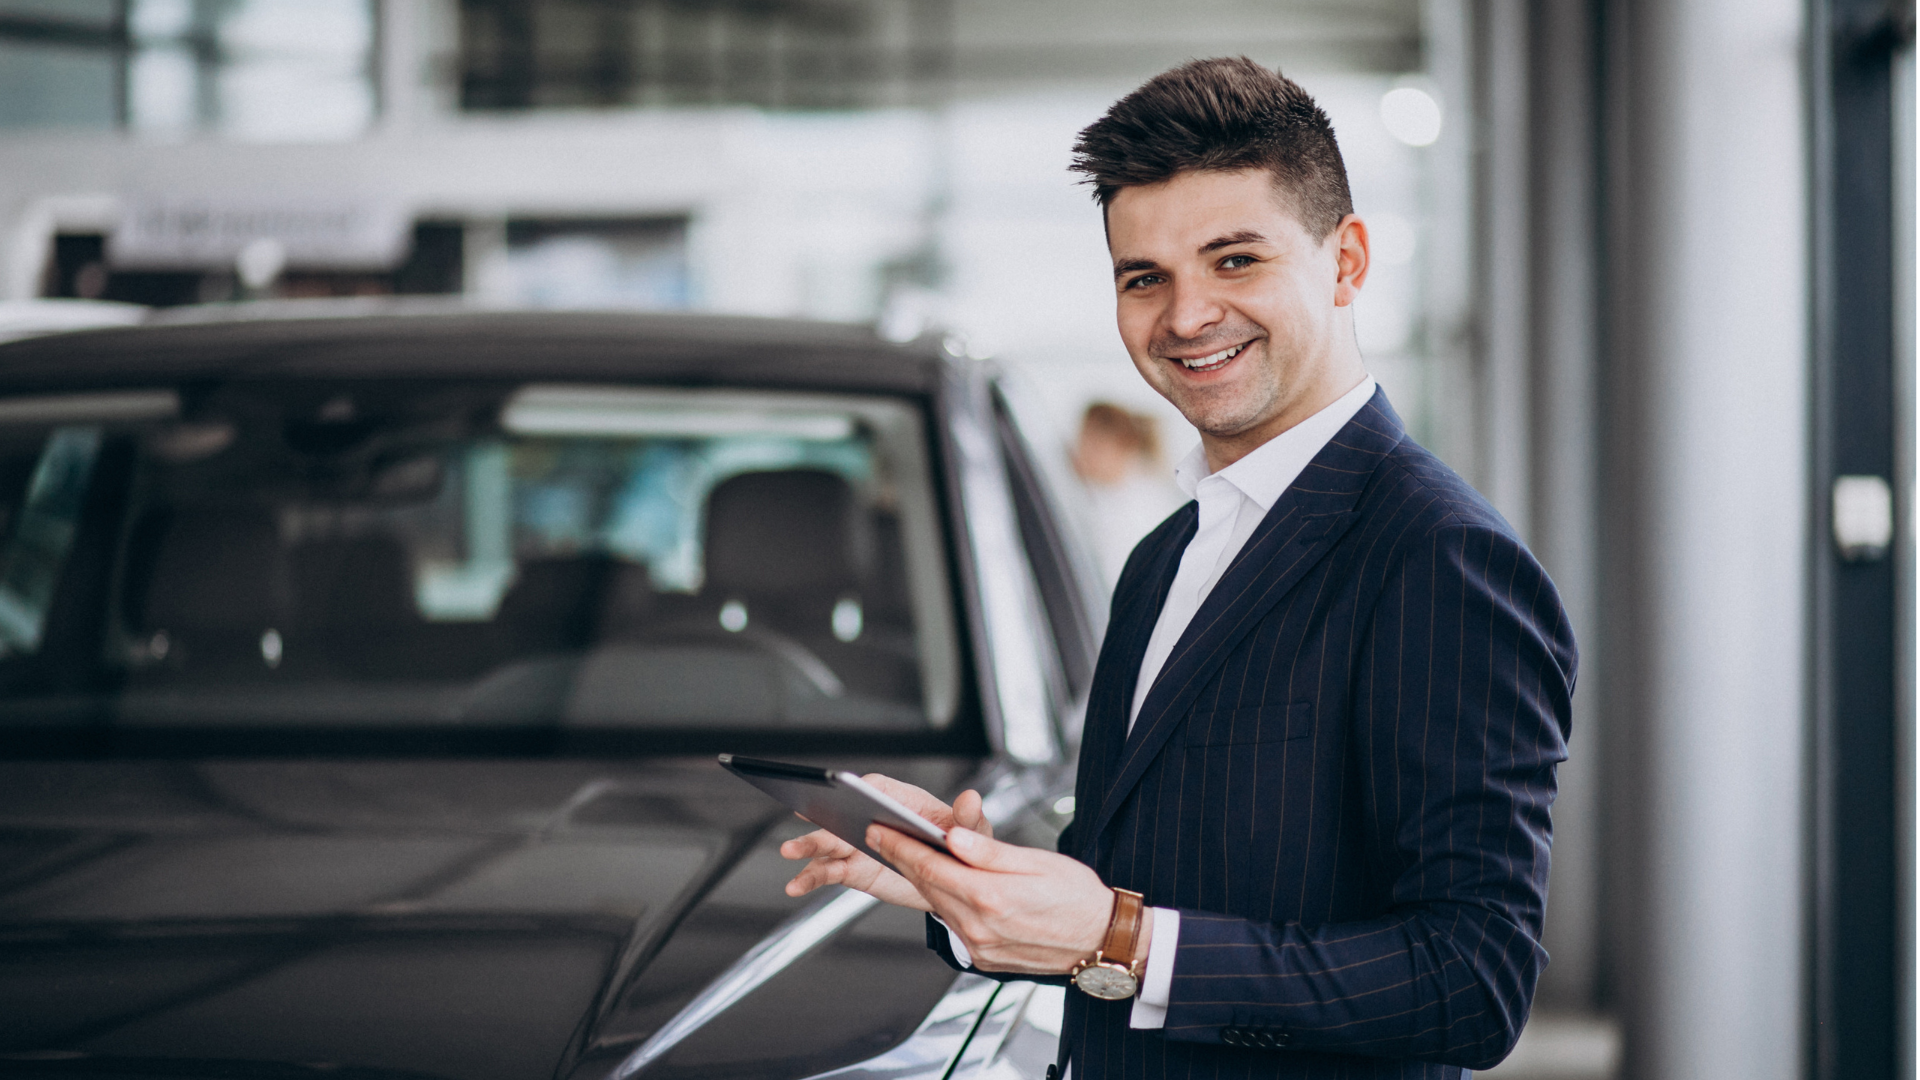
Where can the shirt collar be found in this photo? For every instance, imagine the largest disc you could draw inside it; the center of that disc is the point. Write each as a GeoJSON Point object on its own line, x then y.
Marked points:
{"type": "Point", "coordinates": [1270, 468]}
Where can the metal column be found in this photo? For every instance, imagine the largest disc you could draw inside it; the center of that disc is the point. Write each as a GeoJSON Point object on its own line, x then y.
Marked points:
{"type": "Point", "coordinates": [1854, 970]}
{"type": "Point", "coordinates": [1703, 532]}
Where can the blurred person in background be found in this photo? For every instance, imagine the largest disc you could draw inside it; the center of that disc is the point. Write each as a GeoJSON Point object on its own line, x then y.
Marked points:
{"type": "Point", "coordinates": [1311, 831]}
{"type": "Point", "coordinates": [1129, 491]}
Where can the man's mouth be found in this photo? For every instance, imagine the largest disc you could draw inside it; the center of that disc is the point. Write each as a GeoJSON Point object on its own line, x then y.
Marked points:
{"type": "Point", "coordinates": [1212, 361]}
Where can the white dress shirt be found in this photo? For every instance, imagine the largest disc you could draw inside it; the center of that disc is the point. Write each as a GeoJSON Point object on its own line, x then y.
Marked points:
{"type": "Point", "coordinates": [1232, 502]}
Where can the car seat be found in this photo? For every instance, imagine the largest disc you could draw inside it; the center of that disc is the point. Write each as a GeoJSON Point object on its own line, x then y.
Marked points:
{"type": "Point", "coordinates": [203, 592]}
{"type": "Point", "coordinates": [556, 603]}
{"type": "Point", "coordinates": [784, 554]}
{"type": "Point", "coordinates": [355, 598]}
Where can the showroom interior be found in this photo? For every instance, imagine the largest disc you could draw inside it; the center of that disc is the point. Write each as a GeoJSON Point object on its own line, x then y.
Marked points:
{"type": "Point", "coordinates": [1643, 274]}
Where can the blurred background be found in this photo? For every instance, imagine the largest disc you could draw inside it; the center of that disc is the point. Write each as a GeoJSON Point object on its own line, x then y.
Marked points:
{"type": "Point", "coordinates": [1643, 273]}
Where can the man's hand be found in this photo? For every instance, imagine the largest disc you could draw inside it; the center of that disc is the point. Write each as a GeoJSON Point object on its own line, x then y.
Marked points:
{"type": "Point", "coordinates": [833, 861]}
{"type": "Point", "coordinates": [1020, 910]}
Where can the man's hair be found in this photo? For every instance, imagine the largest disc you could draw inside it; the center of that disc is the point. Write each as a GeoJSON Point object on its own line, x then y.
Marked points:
{"type": "Point", "coordinates": [1218, 115]}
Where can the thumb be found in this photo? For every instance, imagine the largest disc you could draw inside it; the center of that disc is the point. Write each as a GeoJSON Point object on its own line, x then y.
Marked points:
{"type": "Point", "coordinates": [969, 812]}
{"type": "Point", "coordinates": [984, 853]}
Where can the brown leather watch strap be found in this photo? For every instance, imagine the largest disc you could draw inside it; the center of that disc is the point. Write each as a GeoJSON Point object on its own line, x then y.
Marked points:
{"type": "Point", "coordinates": [1123, 931]}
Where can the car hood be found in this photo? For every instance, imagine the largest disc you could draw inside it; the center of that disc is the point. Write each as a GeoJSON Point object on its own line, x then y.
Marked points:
{"type": "Point", "coordinates": [450, 919]}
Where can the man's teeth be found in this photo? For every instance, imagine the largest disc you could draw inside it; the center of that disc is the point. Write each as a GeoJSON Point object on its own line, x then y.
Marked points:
{"type": "Point", "coordinates": [1215, 360]}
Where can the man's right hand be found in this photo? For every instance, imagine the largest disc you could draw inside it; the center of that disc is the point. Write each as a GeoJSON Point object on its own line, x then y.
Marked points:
{"type": "Point", "coordinates": [833, 861]}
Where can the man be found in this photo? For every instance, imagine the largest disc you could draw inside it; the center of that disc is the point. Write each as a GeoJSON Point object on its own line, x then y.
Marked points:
{"type": "Point", "coordinates": [1323, 729]}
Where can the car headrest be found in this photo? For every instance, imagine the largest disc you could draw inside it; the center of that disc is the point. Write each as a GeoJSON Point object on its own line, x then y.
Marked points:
{"type": "Point", "coordinates": [205, 567]}
{"type": "Point", "coordinates": [780, 534]}
{"type": "Point", "coordinates": [355, 580]}
{"type": "Point", "coordinates": [556, 600]}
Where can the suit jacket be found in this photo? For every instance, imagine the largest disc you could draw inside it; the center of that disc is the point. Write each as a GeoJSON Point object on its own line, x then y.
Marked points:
{"type": "Point", "coordinates": [1341, 778]}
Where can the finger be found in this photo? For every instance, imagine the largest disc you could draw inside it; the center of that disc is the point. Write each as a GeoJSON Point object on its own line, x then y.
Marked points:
{"type": "Point", "coordinates": [970, 812]}
{"type": "Point", "coordinates": [919, 863]}
{"type": "Point", "coordinates": [818, 844]}
{"type": "Point", "coordinates": [918, 800]}
{"type": "Point", "coordinates": [856, 870]}
{"type": "Point", "coordinates": [816, 874]}
{"type": "Point", "coordinates": [986, 853]}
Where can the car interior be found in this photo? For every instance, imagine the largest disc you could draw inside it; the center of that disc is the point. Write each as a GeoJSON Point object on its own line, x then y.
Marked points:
{"type": "Point", "coordinates": [278, 587]}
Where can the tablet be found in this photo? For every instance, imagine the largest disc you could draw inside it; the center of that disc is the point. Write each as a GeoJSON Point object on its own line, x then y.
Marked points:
{"type": "Point", "coordinates": [839, 802]}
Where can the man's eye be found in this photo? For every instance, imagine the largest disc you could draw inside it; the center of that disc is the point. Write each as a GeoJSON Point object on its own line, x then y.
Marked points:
{"type": "Point", "coordinates": [1236, 262]}
{"type": "Point", "coordinates": [1143, 281]}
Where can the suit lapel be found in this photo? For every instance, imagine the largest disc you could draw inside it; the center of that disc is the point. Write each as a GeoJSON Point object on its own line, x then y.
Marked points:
{"type": "Point", "coordinates": [1299, 530]}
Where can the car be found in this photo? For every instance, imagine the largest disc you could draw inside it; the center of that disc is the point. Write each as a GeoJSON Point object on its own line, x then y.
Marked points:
{"type": "Point", "coordinates": [363, 670]}
{"type": "Point", "coordinates": [29, 318]}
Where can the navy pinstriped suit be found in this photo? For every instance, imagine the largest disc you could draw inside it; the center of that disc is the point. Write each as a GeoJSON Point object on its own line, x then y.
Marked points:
{"type": "Point", "coordinates": [1341, 778]}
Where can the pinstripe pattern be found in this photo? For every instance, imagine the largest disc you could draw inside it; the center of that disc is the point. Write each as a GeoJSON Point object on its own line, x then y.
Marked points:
{"type": "Point", "coordinates": [1341, 777]}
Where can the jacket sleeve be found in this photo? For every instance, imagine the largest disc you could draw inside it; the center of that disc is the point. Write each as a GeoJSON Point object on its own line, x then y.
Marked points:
{"type": "Point", "coordinates": [942, 946]}
{"type": "Point", "coordinates": [1462, 684]}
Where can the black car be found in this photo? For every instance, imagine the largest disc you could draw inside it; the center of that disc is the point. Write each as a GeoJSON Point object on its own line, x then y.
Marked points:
{"type": "Point", "coordinates": [362, 673]}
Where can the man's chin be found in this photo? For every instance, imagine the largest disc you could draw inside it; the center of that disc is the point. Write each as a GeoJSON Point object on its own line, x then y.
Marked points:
{"type": "Point", "coordinates": [1220, 409]}
{"type": "Point", "coordinates": [1218, 419]}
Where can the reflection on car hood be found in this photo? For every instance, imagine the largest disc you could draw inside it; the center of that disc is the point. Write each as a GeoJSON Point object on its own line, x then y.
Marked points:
{"type": "Point", "coordinates": [452, 919]}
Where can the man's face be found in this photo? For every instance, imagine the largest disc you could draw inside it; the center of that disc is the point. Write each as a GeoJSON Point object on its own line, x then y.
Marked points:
{"type": "Point", "coordinates": [1226, 304]}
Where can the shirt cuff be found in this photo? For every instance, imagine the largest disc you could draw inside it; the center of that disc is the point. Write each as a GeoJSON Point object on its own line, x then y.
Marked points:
{"type": "Point", "coordinates": [959, 947]}
{"type": "Point", "coordinates": [1156, 989]}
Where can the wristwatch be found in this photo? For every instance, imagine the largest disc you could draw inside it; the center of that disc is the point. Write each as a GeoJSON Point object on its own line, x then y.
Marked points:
{"type": "Point", "coordinates": [1113, 973]}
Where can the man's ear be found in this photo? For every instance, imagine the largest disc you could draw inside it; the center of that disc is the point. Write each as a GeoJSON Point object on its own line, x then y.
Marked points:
{"type": "Point", "coordinates": [1352, 256]}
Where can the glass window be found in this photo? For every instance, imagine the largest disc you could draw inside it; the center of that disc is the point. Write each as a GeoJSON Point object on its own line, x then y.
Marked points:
{"type": "Point", "coordinates": [778, 54]}
{"type": "Point", "coordinates": [1060, 593]}
{"type": "Point", "coordinates": [255, 69]}
{"type": "Point", "coordinates": [41, 496]}
{"type": "Point", "coordinates": [58, 63]}
{"type": "Point", "coordinates": [583, 557]}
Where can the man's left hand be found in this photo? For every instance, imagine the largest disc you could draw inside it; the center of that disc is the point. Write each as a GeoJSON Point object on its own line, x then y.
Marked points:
{"type": "Point", "coordinates": [1019, 910]}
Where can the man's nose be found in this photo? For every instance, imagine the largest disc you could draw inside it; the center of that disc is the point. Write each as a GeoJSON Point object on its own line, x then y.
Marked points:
{"type": "Point", "coordinates": [1193, 310]}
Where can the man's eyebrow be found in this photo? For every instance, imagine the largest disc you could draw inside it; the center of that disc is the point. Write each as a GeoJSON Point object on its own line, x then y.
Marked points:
{"type": "Point", "coordinates": [1244, 236]}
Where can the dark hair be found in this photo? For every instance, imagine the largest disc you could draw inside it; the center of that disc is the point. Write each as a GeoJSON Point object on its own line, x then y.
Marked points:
{"type": "Point", "coordinates": [1217, 115]}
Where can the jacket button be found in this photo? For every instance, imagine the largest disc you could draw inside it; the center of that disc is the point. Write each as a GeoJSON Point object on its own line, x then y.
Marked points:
{"type": "Point", "coordinates": [1230, 1036]}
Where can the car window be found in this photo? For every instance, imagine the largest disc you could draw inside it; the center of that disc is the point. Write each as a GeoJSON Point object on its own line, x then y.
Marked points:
{"type": "Point", "coordinates": [43, 482]}
{"type": "Point", "coordinates": [1061, 593]}
{"type": "Point", "coordinates": [327, 555]}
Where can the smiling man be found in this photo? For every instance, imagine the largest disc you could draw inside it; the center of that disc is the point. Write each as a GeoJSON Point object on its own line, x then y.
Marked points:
{"type": "Point", "coordinates": [1319, 754]}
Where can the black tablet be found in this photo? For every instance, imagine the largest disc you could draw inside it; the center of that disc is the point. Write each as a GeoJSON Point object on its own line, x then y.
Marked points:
{"type": "Point", "coordinates": [839, 802]}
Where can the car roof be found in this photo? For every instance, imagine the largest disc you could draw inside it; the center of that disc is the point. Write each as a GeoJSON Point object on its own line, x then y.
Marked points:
{"type": "Point", "coordinates": [388, 340]}
{"type": "Point", "coordinates": [31, 318]}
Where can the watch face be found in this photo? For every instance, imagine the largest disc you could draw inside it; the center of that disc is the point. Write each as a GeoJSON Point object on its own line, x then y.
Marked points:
{"type": "Point", "coordinates": [1110, 983]}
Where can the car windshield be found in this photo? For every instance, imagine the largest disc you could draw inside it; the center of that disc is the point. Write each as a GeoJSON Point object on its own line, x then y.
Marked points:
{"type": "Point", "coordinates": [337, 555]}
